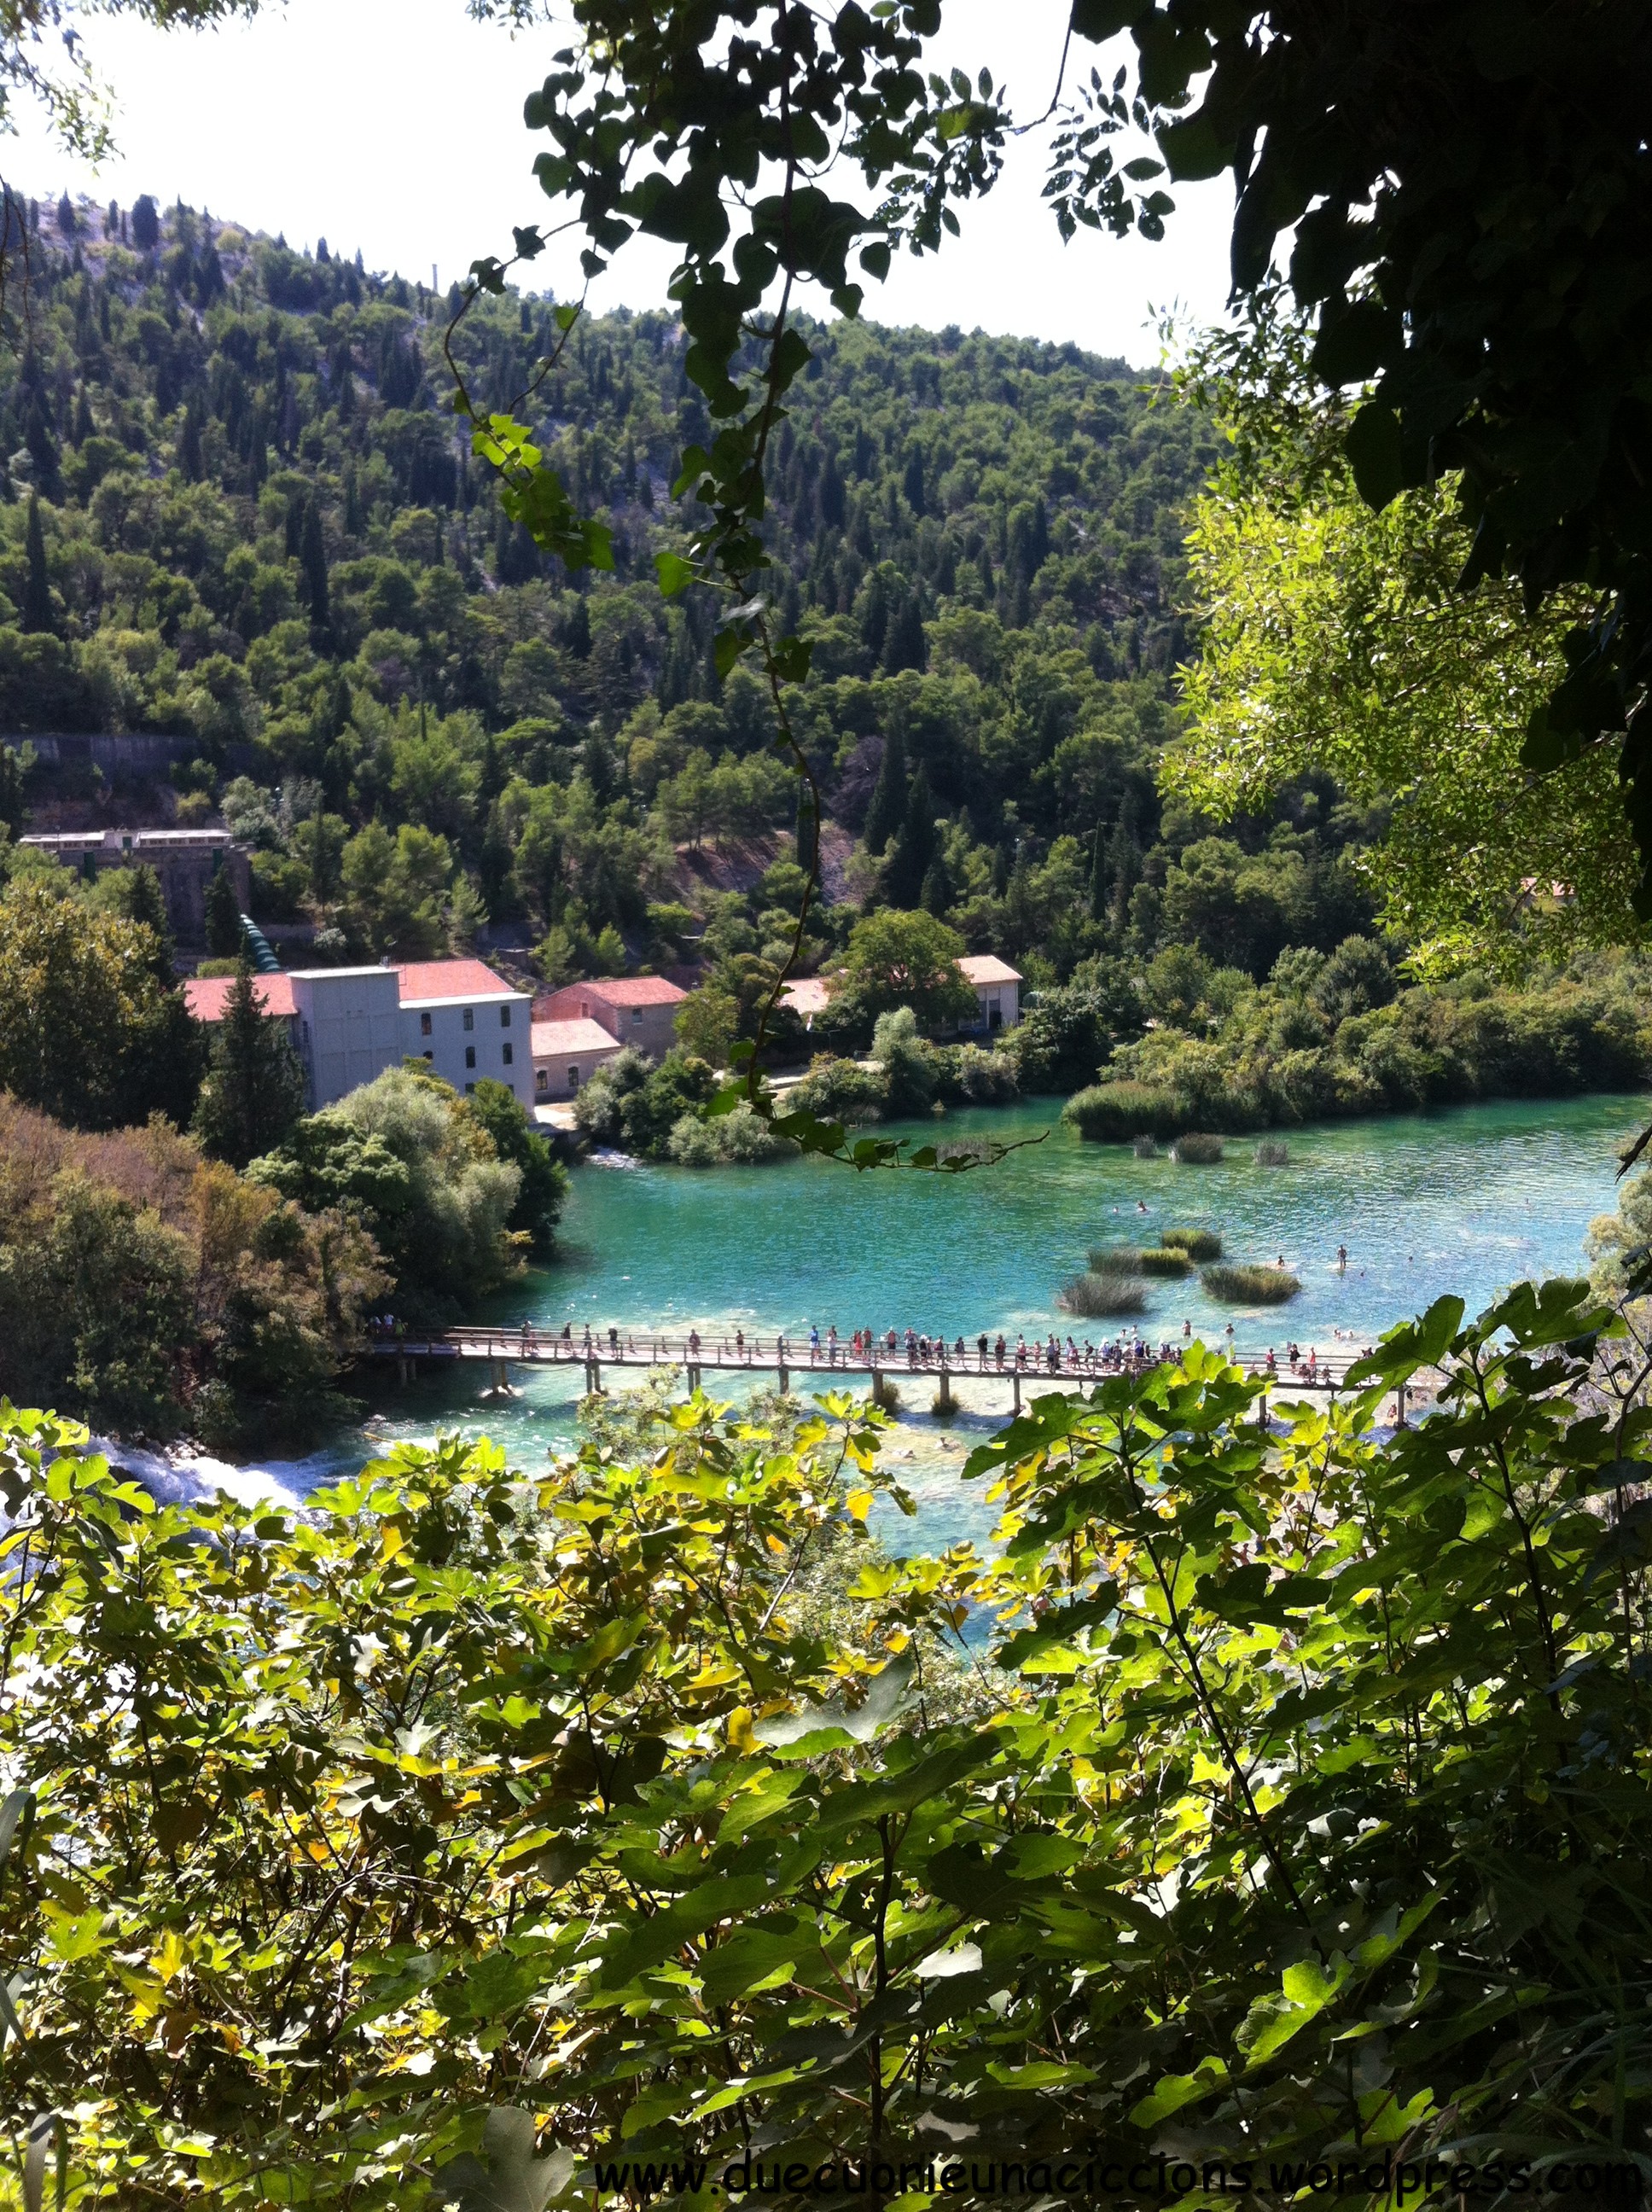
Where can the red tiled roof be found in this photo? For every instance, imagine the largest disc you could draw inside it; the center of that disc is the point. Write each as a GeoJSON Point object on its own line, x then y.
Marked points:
{"type": "Point", "coordinates": [208, 996]}
{"type": "Point", "coordinates": [633, 990]}
{"type": "Point", "coordinates": [551, 1039]}
{"type": "Point", "coordinates": [447, 978]}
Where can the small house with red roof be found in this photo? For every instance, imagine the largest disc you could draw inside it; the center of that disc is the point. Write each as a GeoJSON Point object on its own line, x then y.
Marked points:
{"type": "Point", "coordinates": [633, 1010]}
{"type": "Point", "coordinates": [350, 1024]}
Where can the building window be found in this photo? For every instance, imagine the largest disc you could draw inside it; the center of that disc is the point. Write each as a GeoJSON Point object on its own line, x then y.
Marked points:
{"type": "Point", "coordinates": [636, 1018]}
{"type": "Point", "coordinates": [430, 1055]}
{"type": "Point", "coordinates": [470, 1090]}
{"type": "Point", "coordinates": [573, 1078]}
{"type": "Point", "coordinates": [510, 1054]}
{"type": "Point", "coordinates": [424, 1027]}
{"type": "Point", "coordinates": [470, 1055]}
{"type": "Point", "coordinates": [510, 1087]}
{"type": "Point", "coordinates": [541, 1078]}
{"type": "Point", "coordinates": [470, 1017]}
{"type": "Point", "coordinates": [504, 1018]}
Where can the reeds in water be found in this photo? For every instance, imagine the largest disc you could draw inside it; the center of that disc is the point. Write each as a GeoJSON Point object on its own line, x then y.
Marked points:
{"type": "Point", "coordinates": [1245, 1285]}
{"type": "Point", "coordinates": [1095, 1296]}
{"type": "Point", "coordinates": [1199, 1244]}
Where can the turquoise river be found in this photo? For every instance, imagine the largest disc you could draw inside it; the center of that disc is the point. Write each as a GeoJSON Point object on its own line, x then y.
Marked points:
{"type": "Point", "coordinates": [1468, 1201]}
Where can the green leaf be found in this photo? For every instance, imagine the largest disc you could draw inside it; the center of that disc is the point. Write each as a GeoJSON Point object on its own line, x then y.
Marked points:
{"type": "Point", "coordinates": [508, 2178]}
{"type": "Point", "coordinates": [675, 573]}
{"type": "Point", "coordinates": [1374, 447]}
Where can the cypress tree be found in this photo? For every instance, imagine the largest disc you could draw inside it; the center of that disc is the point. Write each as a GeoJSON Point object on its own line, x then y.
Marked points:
{"type": "Point", "coordinates": [808, 843]}
{"type": "Point", "coordinates": [146, 224]}
{"type": "Point", "coordinates": [191, 464]}
{"type": "Point", "coordinates": [254, 1092]}
{"type": "Point", "coordinates": [906, 646]}
{"type": "Point", "coordinates": [14, 767]}
{"type": "Point", "coordinates": [1097, 877]}
{"type": "Point", "coordinates": [142, 900]}
{"type": "Point", "coordinates": [936, 894]}
{"type": "Point", "coordinates": [888, 795]}
{"type": "Point", "coordinates": [37, 613]}
{"type": "Point", "coordinates": [313, 559]}
{"type": "Point", "coordinates": [910, 862]}
{"type": "Point", "coordinates": [224, 917]}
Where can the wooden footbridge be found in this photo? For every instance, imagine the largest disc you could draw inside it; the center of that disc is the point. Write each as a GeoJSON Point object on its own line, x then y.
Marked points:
{"type": "Point", "coordinates": [863, 1366]}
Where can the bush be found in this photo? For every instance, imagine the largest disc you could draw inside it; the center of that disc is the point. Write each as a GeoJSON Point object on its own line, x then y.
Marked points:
{"type": "Point", "coordinates": [1271, 1153]}
{"type": "Point", "coordinates": [1095, 1296]}
{"type": "Point", "coordinates": [1197, 1243]}
{"type": "Point", "coordinates": [741, 1138]}
{"type": "Point", "coordinates": [1197, 1151]}
{"type": "Point", "coordinates": [985, 1079]}
{"type": "Point", "coordinates": [1168, 1262]}
{"type": "Point", "coordinates": [1251, 1286]}
{"type": "Point", "coordinates": [1114, 1113]}
{"type": "Point", "coordinates": [1145, 1148]}
{"type": "Point", "coordinates": [841, 1091]}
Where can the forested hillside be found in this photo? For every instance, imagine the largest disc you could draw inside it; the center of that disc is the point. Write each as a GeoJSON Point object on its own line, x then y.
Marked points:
{"type": "Point", "coordinates": [237, 507]}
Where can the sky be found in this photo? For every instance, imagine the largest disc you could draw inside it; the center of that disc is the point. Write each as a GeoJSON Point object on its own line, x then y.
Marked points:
{"type": "Point", "coordinates": [395, 126]}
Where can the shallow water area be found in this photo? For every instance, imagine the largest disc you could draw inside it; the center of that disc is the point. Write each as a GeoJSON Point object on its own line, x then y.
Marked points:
{"type": "Point", "coordinates": [1466, 1201]}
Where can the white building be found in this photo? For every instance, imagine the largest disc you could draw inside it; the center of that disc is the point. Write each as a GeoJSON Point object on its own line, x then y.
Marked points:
{"type": "Point", "coordinates": [998, 990]}
{"type": "Point", "coordinates": [349, 1024]}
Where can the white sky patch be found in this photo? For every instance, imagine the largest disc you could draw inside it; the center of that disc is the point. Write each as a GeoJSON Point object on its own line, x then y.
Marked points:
{"type": "Point", "coordinates": [395, 126]}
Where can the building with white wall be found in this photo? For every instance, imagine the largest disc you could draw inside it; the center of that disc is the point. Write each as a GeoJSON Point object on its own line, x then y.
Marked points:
{"type": "Point", "coordinates": [349, 1024]}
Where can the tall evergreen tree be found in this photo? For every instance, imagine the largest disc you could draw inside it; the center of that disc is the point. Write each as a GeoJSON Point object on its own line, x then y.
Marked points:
{"type": "Point", "coordinates": [37, 612]}
{"type": "Point", "coordinates": [14, 768]}
{"type": "Point", "coordinates": [905, 646]}
{"type": "Point", "coordinates": [254, 1091]}
{"type": "Point", "coordinates": [224, 917]}
{"type": "Point", "coordinates": [138, 895]}
{"type": "Point", "coordinates": [910, 862]}
{"type": "Point", "coordinates": [888, 796]}
{"type": "Point", "coordinates": [1098, 877]}
{"type": "Point", "coordinates": [313, 559]}
{"type": "Point", "coordinates": [190, 463]}
{"type": "Point", "coordinates": [146, 225]}
{"type": "Point", "coordinates": [808, 843]}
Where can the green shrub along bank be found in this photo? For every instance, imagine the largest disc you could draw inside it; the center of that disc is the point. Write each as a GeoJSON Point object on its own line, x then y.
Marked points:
{"type": "Point", "coordinates": [473, 1826]}
{"type": "Point", "coordinates": [1328, 1038]}
{"type": "Point", "coordinates": [155, 1290]}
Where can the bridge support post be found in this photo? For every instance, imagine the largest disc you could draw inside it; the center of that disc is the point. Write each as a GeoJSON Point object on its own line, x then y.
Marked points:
{"type": "Point", "coordinates": [1400, 1405]}
{"type": "Point", "coordinates": [593, 1378]}
{"type": "Point", "coordinates": [694, 1379]}
{"type": "Point", "coordinates": [1016, 1379]}
{"type": "Point", "coordinates": [403, 1369]}
{"type": "Point", "coordinates": [784, 1382]}
{"type": "Point", "coordinates": [944, 1402]}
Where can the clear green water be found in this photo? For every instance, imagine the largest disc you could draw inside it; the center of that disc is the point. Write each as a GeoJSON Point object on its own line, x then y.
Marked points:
{"type": "Point", "coordinates": [1466, 1200]}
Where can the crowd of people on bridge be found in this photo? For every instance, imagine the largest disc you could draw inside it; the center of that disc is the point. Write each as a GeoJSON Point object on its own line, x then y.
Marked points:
{"type": "Point", "coordinates": [865, 1349]}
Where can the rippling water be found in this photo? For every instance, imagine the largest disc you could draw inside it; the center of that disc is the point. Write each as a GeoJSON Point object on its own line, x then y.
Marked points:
{"type": "Point", "coordinates": [1468, 1201]}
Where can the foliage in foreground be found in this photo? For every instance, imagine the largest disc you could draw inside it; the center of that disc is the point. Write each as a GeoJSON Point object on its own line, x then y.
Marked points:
{"type": "Point", "coordinates": [1296, 1808]}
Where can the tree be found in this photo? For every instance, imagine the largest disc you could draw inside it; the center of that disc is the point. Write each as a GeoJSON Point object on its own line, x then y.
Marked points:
{"type": "Point", "coordinates": [146, 224]}
{"type": "Point", "coordinates": [910, 862]}
{"type": "Point", "coordinates": [312, 562]}
{"type": "Point", "coordinates": [544, 1191]}
{"type": "Point", "coordinates": [37, 612]}
{"type": "Point", "coordinates": [888, 796]}
{"type": "Point", "coordinates": [707, 1022]}
{"type": "Point", "coordinates": [88, 1032]}
{"type": "Point", "coordinates": [16, 763]}
{"type": "Point", "coordinates": [909, 960]}
{"type": "Point", "coordinates": [254, 1091]}
{"type": "Point", "coordinates": [1334, 640]}
{"type": "Point", "coordinates": [223, 916]}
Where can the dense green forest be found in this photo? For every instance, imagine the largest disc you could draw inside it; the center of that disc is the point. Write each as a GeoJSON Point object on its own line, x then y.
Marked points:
{"type": "Point", "coordinates": [258, 525]}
